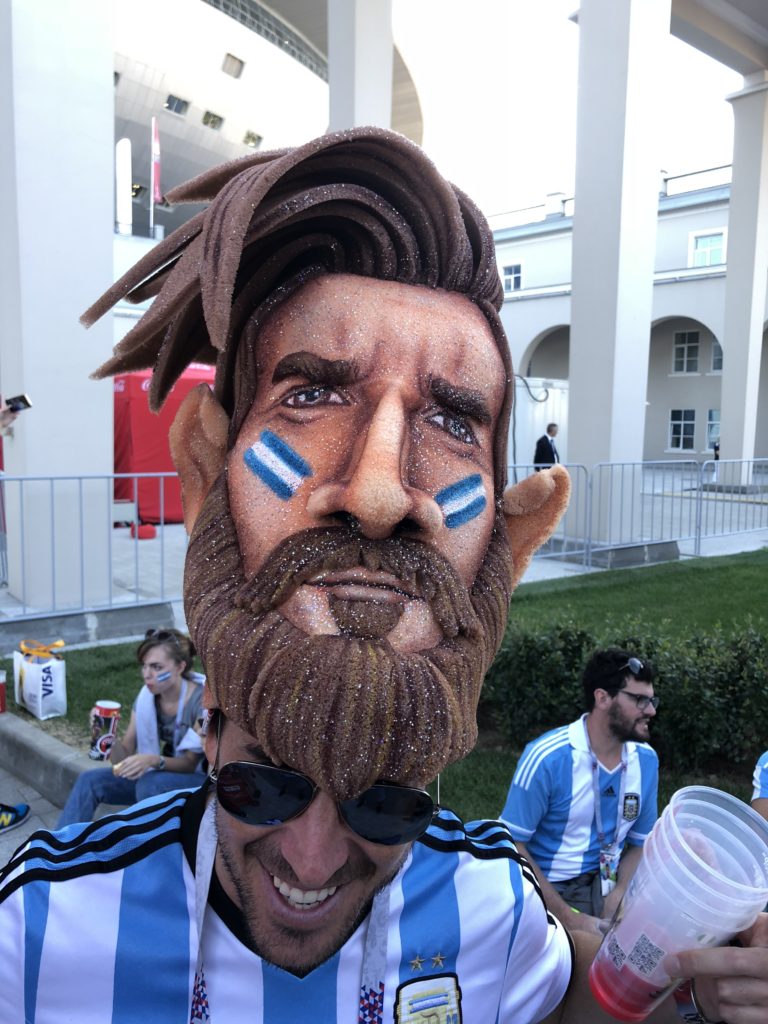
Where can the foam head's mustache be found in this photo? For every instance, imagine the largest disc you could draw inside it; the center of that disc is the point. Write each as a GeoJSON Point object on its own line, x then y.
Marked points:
{"type": "Point", "coordinates": [423, 573]}
{"type": "Point", "coordinates": [344, 709]}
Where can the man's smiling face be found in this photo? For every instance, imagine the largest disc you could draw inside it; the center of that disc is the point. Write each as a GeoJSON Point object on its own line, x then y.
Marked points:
{"type": "Point", "coordinates": [303, 886]}
{"type": "Point", "coordinates": [379, 401]}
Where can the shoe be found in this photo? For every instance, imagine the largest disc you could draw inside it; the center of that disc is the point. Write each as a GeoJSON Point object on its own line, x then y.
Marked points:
{"type": "Point", "coordinates": [12, 815]}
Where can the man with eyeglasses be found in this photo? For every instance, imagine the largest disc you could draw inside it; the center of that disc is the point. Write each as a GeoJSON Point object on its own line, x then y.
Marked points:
{"type": "Point", "coordinates": [352, 555]}
{"type": "Point", "coordinates": [583, 797]}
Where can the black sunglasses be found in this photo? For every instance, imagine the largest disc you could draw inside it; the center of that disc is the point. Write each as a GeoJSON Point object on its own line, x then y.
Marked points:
{"type": "Point", "coordinates": [261, 794]}
{"type": "Point", "coordinates": [634, 665]}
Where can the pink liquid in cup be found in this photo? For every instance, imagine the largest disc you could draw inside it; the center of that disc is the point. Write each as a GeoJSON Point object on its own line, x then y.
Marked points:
{"type": "Point", "coordinates": [624, 994]}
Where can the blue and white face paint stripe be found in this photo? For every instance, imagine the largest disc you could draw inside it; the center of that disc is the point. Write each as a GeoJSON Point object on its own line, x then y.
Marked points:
{"type": "Point", "coordinates": [462, 501]}
{"type": "Point", "coordinates": [277, 465]}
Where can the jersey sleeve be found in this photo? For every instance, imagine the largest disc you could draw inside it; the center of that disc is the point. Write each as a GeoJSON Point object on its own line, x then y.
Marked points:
{"type": "Point", "coordinates": [528, 797]}
{"type": "Point", "coordinates": [760, 778]}
{"type": "Point", "coordinates": [649, 799]}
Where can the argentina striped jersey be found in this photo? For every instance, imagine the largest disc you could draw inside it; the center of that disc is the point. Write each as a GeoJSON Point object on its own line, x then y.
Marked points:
{"type": "Point", "coordinates": [97, 926]}
{"type": "Point", "coordinates": [551, 805]}
{"type": "Point", "coordinates": [760, 778]}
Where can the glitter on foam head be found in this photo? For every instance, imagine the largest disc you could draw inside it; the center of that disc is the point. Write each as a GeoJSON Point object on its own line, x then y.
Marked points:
{"type": "Point", "coordinates": [364, 201]}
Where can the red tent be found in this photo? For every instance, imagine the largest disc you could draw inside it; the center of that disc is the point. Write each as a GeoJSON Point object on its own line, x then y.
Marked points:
{"type": "Point", "coordinates": [141, 441]}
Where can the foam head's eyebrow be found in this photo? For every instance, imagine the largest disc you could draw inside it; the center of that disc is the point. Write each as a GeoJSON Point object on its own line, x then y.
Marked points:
{"type": "Point", "coordinates": [458, 399]}
{"type": "Point", "coordinates": [315, 369]}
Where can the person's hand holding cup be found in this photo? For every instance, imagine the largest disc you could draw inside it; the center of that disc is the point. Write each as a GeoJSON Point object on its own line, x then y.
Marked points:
{"type": "Point", "coordinates": [702, 879]}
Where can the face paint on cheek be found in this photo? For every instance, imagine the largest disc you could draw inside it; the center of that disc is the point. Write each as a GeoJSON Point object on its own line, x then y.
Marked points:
{"type": "Point", "coordinates": [277, 465]}
{"type": "Point", "coordinates": [462, 501]}
{"type": "Point", "coordinates": [162, 677]}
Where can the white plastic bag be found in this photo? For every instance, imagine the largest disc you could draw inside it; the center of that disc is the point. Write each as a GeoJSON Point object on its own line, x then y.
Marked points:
{"type": "Point", "coordinates": [40, 678]}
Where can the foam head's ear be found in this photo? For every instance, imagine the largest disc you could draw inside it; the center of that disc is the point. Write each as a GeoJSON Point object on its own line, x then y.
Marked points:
{"type": "Point", "coordinates": [198, 442]}
{"type": "Point", "coordinates": [532, 510]}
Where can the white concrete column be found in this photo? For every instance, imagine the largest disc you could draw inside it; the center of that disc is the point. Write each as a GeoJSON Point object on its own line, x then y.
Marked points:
{"type": "Point", "coordinates": [56, 211]}
{"type": "Point", "coordinates": [614, 227]}
{"type": "Point", "coordinates": [745, 289]}
{"type": "Point", "coordinates": [360, 63]}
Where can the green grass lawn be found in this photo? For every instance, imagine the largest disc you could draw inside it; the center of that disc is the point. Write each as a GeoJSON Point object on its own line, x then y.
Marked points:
{"type": "Point", "coordinates": [692, 595]}
{"type": "Point", "coordinates": [109, 672]}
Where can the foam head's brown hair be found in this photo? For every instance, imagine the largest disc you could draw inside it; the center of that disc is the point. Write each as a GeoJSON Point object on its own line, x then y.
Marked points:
{"type": "Point", "coordinates": [364, 201]}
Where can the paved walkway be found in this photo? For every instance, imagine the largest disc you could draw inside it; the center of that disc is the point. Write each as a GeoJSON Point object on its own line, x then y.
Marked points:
{"type": "Point", "coordinates": [42, 814]}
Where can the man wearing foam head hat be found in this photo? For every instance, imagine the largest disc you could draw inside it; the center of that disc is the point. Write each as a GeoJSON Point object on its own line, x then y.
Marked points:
{"type": "Point", "coordinates": [352, 555]}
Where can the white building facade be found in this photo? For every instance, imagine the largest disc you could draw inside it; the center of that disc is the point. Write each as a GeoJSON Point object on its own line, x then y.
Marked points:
{"type": "Point", "coordinates": [687, 348]}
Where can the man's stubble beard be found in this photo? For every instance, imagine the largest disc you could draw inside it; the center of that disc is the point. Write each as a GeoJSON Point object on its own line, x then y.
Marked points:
{"type": "Point", "coordinates": [344, 710]}
{"type": "Point", "coordinates": [622, 730]}
{"type": "Point", "coordinates": [263, 932]}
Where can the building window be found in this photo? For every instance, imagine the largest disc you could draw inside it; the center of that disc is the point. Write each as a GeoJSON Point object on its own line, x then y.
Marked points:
{"type": "Point", "coordinates": [176, 105]}
{"type": "Point", "coordinates": [117, 78]}
{"type": "Point", "coordinates": [211, 120]}
{"type": "Point", "coordinates": [682, 423]}
{"type": "Point", "coordinates": [232, 65]}
{"type": "Point", "coordinates": [252, 139]}
{"type": "Point", "coordinates": [713, 427]}
{"type": "Point", "coordinates": [685, 357]}
{"type": "Point", "coordinates": [512, 276]}
{"type": "Point", "coordinates": [707, 249]}
{"type": "Point", "coordinates": [717, 357]}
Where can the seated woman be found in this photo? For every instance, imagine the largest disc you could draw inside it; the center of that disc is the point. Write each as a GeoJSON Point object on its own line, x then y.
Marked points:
{"type": "Point", "coordinates": [160, 751]}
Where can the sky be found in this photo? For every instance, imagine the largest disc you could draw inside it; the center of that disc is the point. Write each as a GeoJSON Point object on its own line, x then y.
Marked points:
{"type": "Point", "coordinates": [497, 84]}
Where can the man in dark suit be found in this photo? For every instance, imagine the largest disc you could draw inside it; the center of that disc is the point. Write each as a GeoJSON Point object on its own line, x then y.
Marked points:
{"type": "Point", "coordinates": [546, 453]}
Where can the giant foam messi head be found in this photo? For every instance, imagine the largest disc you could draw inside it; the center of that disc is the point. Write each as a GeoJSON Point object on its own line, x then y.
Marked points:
{"type": "Point", "coordinates": [352, 548]}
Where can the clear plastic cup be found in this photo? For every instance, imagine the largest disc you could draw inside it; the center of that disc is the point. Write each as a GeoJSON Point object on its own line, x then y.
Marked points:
{"type": "Point", "coordinates": [702, 878]}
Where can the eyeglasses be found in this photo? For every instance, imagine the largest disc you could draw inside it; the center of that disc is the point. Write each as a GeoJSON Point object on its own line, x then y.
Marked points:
{"type": "Point", "coordinates": [634, 665]}
{"type": "Point", "coordinates": [642, 700]}
{"type": "Point", "coordinates": [262, 794]}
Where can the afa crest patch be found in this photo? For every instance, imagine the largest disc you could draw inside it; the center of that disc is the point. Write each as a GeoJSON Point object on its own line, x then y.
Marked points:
{"type": "Point", "coordinates": [631, 806]}
{"type": "Point", "coordinates": [433, 1000]}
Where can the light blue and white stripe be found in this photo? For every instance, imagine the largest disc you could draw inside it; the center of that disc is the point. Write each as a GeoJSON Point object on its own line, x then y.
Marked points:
{"type": "Point", "coordinates": [462, 501]}
{"type": "Point", "coordinates": [277, 465]}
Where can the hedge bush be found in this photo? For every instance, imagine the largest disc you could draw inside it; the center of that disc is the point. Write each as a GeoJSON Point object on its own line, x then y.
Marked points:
{"type": "Point", "coordinates": [713, 688]}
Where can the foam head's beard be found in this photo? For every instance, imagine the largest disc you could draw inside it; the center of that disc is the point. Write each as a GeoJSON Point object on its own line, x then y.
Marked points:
{"type": "Point", "coordinates": [344, 709]}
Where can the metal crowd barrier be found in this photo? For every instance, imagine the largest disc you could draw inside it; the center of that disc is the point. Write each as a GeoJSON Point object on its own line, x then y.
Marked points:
{"type": "Point", "coordinates": [68, 545]}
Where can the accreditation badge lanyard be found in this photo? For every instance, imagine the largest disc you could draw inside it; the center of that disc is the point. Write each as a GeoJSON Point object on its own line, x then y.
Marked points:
{"type": "Point", "coordinates": [374, 952]}
{"type": "Point", "coordinates": [610, 853]}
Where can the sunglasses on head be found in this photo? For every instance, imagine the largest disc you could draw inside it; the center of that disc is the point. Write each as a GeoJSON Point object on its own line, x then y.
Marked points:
{"type": "Point", "coordinates": [262, 794]}
{"type": "Point", "coordinates": [634, 665]}
{"type": "Point", "coordinates": [162, 635]}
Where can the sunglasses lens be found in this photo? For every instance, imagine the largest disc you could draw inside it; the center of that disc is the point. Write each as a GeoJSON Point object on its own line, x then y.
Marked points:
{"type": "Point", "coordinates": [260, 794]}
{"type": "Point", "coordinates": [389, 815]}
{"type": "Point", "coordinates": [635, 666]}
